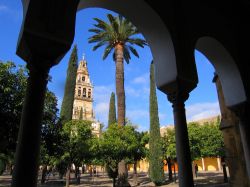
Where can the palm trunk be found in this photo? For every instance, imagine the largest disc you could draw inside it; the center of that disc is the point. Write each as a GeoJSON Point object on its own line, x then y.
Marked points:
{"type": "Point", "coordinates": [122, 169]}
{"type": "Point", "coordinates": [120, 84]}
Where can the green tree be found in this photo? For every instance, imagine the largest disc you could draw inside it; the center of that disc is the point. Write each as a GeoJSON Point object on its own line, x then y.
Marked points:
{"type": "Point", "coordinates": [77, 142]}
{"type": "Point", "coordinates": [194, 135]}
{"type": "Point", "coordinates": [13, 81]}
{"type": "Point", "coordinates": [116, 143]}
{"type": "Point", "coordinates": [69, 90]}
{"type": "Point", "coordinates": [139, 152]}
{"type": "Point", "coordinates": [169, 149]}
{"type": "Point", "coordinates": [206, 140]}
{"type": "Point", "coordinates": [50, 132]}
{"type": "Point", "coordinates": [155, 152]}
{"type": "Point", "coordinates": [112, 110]}
{"type": "Point", "coordinates": [118, 35]}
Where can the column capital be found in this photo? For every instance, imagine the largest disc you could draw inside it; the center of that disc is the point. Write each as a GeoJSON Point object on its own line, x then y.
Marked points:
{"type": "Point", "coordinates": [38, 69]}
{"type": "Point", "coordinates": [242, 110]}
{"type": "Point", "coordinates": [178, 97]}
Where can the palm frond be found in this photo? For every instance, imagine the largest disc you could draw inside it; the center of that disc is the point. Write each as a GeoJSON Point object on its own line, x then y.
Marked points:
{"type": "Point", "coordinates": [107, 51]}
{"type": "Point", "coordinates": [101, 24]}
{"type": "Point", "coordinates": [133, 50]}
{"type": "Point", "coordinates": [126, 54]}
{"type": "Point", "coordinates": [99, 45]}
{"type": "Point", "coordinates": [95, 30]}
{"type": "Point", "coordinates": [137, 41]}
{"type": "Point", "coordinates": [97, 37]}
{"type": "Point", "coordinates": [113, 22]}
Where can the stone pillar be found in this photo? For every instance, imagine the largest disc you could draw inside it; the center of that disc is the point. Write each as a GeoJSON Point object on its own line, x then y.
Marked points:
{"type": "Point", "coordinates": [203, 164]}
{"type": "Point", "coordinates": [28, 146]}
{"type": "Point", "coordinates": [182, 142]}
{"type": "Point", "coordinates": [245, 139]}
{"type": "Point", "coordinates": [233, 134]}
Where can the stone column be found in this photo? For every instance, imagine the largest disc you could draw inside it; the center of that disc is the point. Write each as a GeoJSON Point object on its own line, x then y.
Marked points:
{"type": "Point", "coordinates": [182, 142]}
{"type": "Point", "coordinates": [28, 146]}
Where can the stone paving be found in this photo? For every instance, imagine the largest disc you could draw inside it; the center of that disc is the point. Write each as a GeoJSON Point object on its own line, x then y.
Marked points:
{"type": "Point", "coordinates": [204, 179]}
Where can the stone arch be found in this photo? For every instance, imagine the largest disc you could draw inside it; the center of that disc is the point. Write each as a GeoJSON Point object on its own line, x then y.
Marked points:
{"type": "Point", "coordinates": [226, 69]}
{"type": "Point", "coordinates": [153, 29]}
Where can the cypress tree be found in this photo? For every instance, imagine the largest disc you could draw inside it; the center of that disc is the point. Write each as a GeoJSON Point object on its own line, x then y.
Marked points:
{"type": "Point", "coordinates": [155, 155]}
{"type": "Point", "coordinates": [112, 110]}
{"type": "Point", "coordinates": [69, 90]}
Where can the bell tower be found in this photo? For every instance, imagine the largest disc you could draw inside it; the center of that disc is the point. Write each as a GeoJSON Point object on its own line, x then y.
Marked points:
{"type": "Point", "coordinates": [83, 100]}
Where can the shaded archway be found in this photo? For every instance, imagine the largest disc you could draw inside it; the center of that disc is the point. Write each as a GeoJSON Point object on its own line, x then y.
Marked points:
{"type": "Point", "coordinates": [231, 95]}
{"type": "Point", "coordinates": [226, 69]}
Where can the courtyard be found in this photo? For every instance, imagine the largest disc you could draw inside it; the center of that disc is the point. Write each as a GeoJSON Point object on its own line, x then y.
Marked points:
{"type": "Point", "coordinates": [208, 179]}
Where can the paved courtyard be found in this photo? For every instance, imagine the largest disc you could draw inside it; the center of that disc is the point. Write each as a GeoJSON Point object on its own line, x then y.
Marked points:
{"type": "Point", "coordinates": [206, 179]}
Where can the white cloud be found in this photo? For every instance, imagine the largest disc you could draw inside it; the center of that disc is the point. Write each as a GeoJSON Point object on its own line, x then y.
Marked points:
{"type": "Point", "coordinates": [162, 117]}
{"type": "Point", "coordinates": [11, 12]}
{"type": "Point", "coordinates": [102, 93]}
{"type": "Point", "coordinates": [202, 110]}
{"type": "Point", "coordinates": [132, 92]}
{"type": "Point", "coordinates": [101, 102]}
{"type": "Point", "coordinates": [101, 108]}
{"type": "Point", "coordinates": [137, 114]}
{"type": "Point", "coordinates": [101, 112]}
{"type": "Point", "coordinates": [143, 79]}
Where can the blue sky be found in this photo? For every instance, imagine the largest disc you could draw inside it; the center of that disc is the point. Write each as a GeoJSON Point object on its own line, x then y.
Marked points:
{"type": "Point", "coordinates": [202, 102]}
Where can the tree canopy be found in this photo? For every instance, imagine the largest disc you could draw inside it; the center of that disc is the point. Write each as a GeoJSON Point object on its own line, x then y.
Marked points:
{"type": "Point", "coordinates": [117, 31]}
{"type": "Point", "coordinates": [205, 140]}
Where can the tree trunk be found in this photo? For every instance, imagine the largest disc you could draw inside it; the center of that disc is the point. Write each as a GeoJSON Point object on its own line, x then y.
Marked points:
{"type": "Point", "coordinates": [122, 174]}
{"type": "Point", "coordinates": [135, 178]}
{"type": "Point", "coordinates": [68, 176]}
{"type": "Point", "coordinates": [77, 175]}
{"type": "Point", "coordinates": [11, 169]}
{"type": "Point", "coordinates": [120, 84]}
{"type": "Point", "coordinates": [135, 167]}
{"type": "Point", "coordinates": [44, 171]}
{"type": "Point", "coordinates": [174, 174]}
{"type": "Point", "coordinates": [170, 175]}
{"type": "Point", "coordinates": [114, 182]}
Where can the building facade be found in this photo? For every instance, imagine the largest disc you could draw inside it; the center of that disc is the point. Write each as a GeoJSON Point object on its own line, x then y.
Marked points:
{"type": "Point", "coordinates": [83, 100]}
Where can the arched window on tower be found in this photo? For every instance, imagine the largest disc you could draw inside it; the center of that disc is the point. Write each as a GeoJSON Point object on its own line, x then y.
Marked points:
{"type": "Point", "coordinates": [83, 78]}
{"type": "Point", "coordinates": [89, 93]}
{"type": "Point", "coordinates": [84, 92]}
{"type": "Point", "coordinates": [79, 91]}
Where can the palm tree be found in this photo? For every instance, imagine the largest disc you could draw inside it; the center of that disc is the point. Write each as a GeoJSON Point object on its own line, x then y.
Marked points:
{"type": "Point", "coordinates": [118, 36]}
